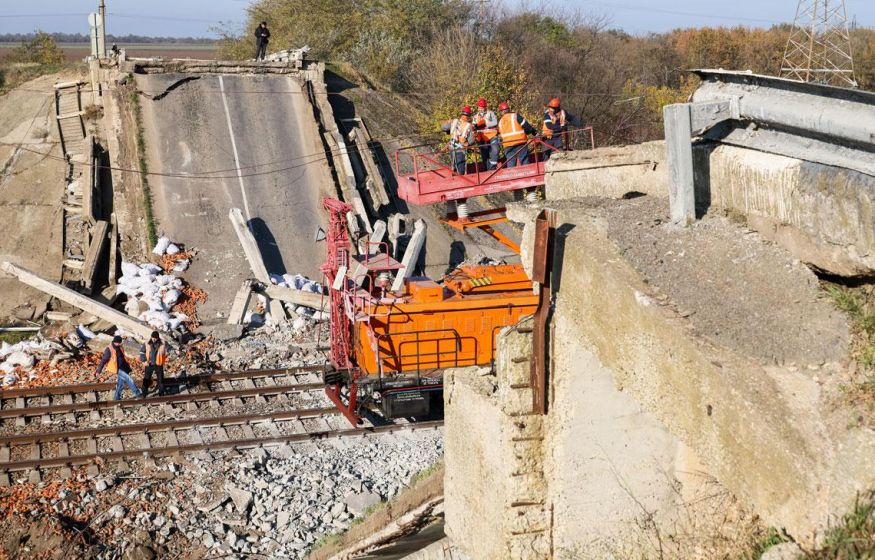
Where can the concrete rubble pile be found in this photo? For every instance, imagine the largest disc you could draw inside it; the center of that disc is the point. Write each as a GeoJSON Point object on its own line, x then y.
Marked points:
{"type": "Point", "coordinates": [21, 357]}
{"type": "Point", "coordinates": [268, 348]}
{"type": "Point", "coordinates": [274, 503]}
{"type": "Point", "coordinates": [303, 284]}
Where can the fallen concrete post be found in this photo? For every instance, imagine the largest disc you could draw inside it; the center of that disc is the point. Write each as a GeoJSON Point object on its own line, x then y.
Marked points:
{"type": "Point", "coordinates": [138, 328]}
{"type": "Point", "coordinates": [411, 255]}
{"type": "Point", "coordinates": [100, 234]}
{"type": "Point", "coordinates": [250, 246]}
{"type": "Point", "coordinates": [256, 262]}
{"type": "Point", "coordinates": [298, 297]}
{"type": "Point", "coordinates": [241, 304]}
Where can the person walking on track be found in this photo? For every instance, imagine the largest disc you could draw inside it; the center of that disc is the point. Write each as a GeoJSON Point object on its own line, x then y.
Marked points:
{"type": "Point", "coordinates": [115, 362]}
{"type": "Point", "coordinates": [262, 38]}
{"type": "Point", "coordinates": [154, 354]}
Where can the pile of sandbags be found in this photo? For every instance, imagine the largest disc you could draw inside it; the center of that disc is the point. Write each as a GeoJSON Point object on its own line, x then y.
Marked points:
{"type": "Point", "coordinates": [151, 295]}
{"type": "Point", "coordinates": [23, 355]}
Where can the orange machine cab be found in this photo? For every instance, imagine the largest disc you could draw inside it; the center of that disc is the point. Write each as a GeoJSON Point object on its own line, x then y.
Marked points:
{"type": "Point", "coordinates": [436, 326]}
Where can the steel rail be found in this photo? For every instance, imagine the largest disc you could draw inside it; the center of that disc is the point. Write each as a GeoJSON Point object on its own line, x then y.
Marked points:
{"type": "Point", "coordinates": [152, 427]}
{"type": "Point", "coordinates": [185, 380]}
{"type": "Point", "coordinates": [169, 399]}
{"type": "Point", "coordinates": [246, 443]}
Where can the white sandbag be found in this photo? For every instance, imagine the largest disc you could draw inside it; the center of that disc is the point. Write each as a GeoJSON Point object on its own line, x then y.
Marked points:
{"type": "Point", "coordinates": [164, 279]}
{"type": "Point", "coordinates": [298, 282]}
{"type": "Point", "coordinates": [172, 249]}
{"type": "Point", "coordinates": [320, 316]}
{"type": "Point", "coordinates": [161, 245]}
{"type": "Point", "coordinates": [155, 304]}
{"type": "Point", "coordinates": [121, 289]}
{"type": "Point", "coordinates": [177, 321]}
{"type": "Point", "coordinates": [21, 359]}
{"type": "Point", "coordinates": [171, 297]}
{"type": "Point", "coordinates": [299, 324]}
{"type": "Point", "coordinates": [130, 269]}
{"type": "Point", "coordinates": [132, 307]}
{"type": "Point", "coordinates": [312, 287]}
{"type": "Point", "coordinates": [176, 284]}
{"type": "Point", "coordinates": [276, 279]}
{"type": "Point", "coordinates": [150, 269]}
{"type": "Point", "coordinates": [181, 265]}
{"type": "Point", "coordinates": [305, 311]}
{"type": "Point", "coordinates": [5, 349]}
{"type": "Point", "coordinates": [84, 332]}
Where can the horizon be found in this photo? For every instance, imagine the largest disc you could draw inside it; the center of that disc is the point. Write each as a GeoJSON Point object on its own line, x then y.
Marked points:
{"type": "Point", "coordinates": [200, 19]}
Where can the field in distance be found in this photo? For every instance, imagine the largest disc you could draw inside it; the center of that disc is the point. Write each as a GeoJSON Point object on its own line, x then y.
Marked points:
{"type": "Point", "coordinates": [78, 51]}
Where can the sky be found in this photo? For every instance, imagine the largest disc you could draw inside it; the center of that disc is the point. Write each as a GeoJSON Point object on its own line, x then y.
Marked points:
{"type": "Point", "coordinates": [181, 18]}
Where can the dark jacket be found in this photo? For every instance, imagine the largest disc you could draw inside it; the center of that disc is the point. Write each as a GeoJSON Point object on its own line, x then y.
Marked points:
{"type": "Point", "coordinates": [120, 355]}
{"type": "Point", "coordinates": [262, 35]}
{"type": "Point", "coordinates": [154, 354]}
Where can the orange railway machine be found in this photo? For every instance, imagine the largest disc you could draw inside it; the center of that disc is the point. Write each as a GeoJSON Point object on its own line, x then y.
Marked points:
{"type": "Point", "coordinates": [424, 180]}
{"type": "Point", "coordinates": [389, 349]}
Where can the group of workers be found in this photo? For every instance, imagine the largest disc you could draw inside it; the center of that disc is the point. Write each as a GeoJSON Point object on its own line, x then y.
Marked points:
{"type": "Point", "coordinates": [509, 130]}
{"type": "Point", "coordinates": [153, 353]}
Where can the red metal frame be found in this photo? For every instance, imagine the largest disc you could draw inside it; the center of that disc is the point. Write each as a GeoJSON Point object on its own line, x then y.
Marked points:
{"type": "Point", "coordinates": [340, 328]}
{"type": "Point", "coordinates": [431, 181]}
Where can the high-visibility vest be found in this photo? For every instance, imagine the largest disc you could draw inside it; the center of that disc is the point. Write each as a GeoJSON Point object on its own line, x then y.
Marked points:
{"type": "Point", "coordinates": [485, 133]}
{"type": "Point", "coordinates": [560, 116]}
{"type": "Point", "coordinates": [112, 365]}
{"type": "Point", "coordinates": [510, 130]}
{"type": "Point", "coordinates": [460, 134]}
{"type": "Point", "coordinates": [160, 359]}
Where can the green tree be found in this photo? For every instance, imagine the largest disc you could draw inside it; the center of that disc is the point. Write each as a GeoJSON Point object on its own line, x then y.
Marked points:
{"type": "Point", "coordinates": [42, 49]}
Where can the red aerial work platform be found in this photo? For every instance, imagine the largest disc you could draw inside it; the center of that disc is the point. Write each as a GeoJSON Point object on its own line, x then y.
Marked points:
{"type": "Point", "coordinates": [425, 177]}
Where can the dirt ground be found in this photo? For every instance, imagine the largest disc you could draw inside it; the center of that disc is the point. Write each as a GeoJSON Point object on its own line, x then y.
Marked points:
{"type": "Point", "coordinates": [779, 314]}
{"type": "Point", "coordinates": [31, 189]}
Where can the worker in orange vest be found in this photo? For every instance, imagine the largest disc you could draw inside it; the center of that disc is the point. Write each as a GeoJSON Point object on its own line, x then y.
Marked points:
{"type": "Point", "coordinates": [461, 138]}
{"type": "Point", "coordinates": [555, 129]}
{"type": "Point", "coordinates": [513, 129]}
{"type": "Point", "coordinates": [154, 354]}
{"type": "Point", "coordinates": [115, 362]}
{"type": "Point", "coordinates": [486, 125]}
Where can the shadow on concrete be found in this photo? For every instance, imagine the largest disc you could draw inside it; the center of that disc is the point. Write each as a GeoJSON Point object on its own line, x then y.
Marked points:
{"type": "Point", "coordinates": [267, 244]}
{"type": "Point", "coordinates": [559, 240]}
{"type": "Point", "coordinates": [457, 255]}
{"type": "Point", "coordinates": [702, 176]}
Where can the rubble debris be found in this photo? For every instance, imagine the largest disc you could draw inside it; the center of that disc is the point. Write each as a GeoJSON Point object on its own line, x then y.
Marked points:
{"type": "Point", "coordinates": [163, 301]}
{"type": "Point", "coordinates": [129, 324]}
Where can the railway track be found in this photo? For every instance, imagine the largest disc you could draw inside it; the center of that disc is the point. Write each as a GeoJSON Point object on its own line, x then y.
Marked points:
{"type": "Point", "coordinates": [35, 453]}
{"type": "Point", "coordinates": [47, 402]}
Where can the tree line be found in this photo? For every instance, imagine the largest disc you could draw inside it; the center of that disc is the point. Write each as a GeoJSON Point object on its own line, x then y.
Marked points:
{"type": "Point", "coordinates": [443, 53]}
{"type": "Point", "coordinates": [66, 38]}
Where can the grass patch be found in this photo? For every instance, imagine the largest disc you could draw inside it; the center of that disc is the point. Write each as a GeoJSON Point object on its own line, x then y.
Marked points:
{"type": "Point", "coordinates": [854, 537]}
{"type": "Point", "coordinates": [14, 74]}
{"type": "Point", "coordinates": [148, 208]}
{"type": "Point", "coordinates": [859, 304]}
{"type": "Point", "coordinates": [15, 337]}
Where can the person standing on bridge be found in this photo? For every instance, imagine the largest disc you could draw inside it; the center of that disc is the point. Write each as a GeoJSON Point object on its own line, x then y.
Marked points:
{"type": "Point", "coordinates": [154, 354]}
{"type": "Point", "coordinates": [461, 137]}
{"type": "Point", "coordinates": [555, 130]}
{"type": "Point", "coordinates": [115, 362]}
{"type": "Point", "coordinates": [486, 125]}
{"type": "Point", "coordinates": [262, 38]}
{"type": "Point", "coordinates": [513, 128]}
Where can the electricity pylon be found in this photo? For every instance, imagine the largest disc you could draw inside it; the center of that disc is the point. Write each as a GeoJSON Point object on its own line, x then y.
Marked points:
{"type": "Point", "coordinates": [819, 48]}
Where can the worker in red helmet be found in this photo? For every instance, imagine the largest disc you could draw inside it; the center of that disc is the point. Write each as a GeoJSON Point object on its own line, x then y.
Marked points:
{"type": "Point", "coordinates": [461, 133]}
{"type": "Point", "coordinates": [513, 129]}
{"type": "Point", "coordinates": [486, 127]}
{"type": "Point", "coordinates": [555, 129]}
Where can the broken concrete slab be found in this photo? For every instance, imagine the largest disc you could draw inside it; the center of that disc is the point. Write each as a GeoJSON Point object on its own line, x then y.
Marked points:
{"type": "Point", "coordinates": [298, 297]}
{"type": "Point", "coordinates": [134, 326]}
{"type": "Point", "coordinates": [411, 255]}
{"type": "Point", "coordinates": [250, 245]}
{"type": "Point", "coordinates": [99, 239]}
{"type": "Point", "coordinates": [241, 304]}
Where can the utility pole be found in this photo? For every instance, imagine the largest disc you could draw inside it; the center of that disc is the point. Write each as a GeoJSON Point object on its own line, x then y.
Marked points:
{"type": "Point", "coordinates": [102, 12]}
{"type": "Point", "coordinates": [819, 47]}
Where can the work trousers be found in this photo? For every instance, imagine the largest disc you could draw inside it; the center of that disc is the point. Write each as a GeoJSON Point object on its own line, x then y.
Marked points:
{"type": "Point", "coordinates": [489, 153]}
{"type": "Point", "coordinates": [460, 160]}
{"type": "Point", "coordinates": [556, 142]}
{"type": "Point", "coordinates": [260, 50]}
{"type": "Point", "coordinates": [123, 378]}
{"type": "Point", "coordinates": [517, 155]}
{"type": "Point", "coordinates": [147, 378]}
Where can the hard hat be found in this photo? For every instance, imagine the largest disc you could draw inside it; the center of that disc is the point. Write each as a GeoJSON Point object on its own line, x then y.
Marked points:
{"type": "Point", "coordinates": [503, 106]}
{"type": "Point", "coordinates": [481, 103]}
{"type": "Point", "coordinates": [466, 110]}
{"type": "Point", "coordinates": [554, 103]}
